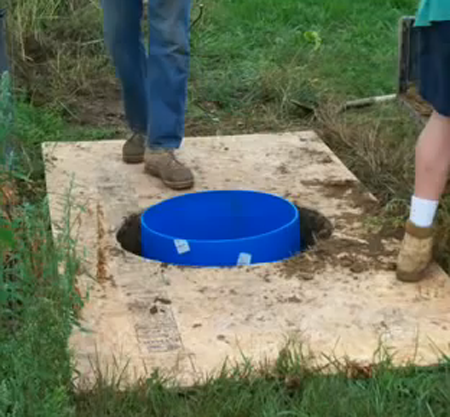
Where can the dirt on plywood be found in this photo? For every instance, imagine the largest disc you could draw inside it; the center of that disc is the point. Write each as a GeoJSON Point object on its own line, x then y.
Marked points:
{"type": "Point", "coordinates": [320, 156]}
{"type": "Point", "coordinates": [102, 260]}
{"type": "Point", "coordinates": [355, 254]}
{"type": "Point", "coordinates": [337, 188]}
{"type": "Point", "coordinates": [364, 252]}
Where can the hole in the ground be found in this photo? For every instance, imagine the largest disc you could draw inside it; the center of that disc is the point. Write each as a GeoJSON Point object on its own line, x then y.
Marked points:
{"type": "Point", "coordinates": [223, 229]}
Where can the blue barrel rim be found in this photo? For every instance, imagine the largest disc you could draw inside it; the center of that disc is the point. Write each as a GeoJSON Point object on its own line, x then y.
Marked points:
{"type": "Point", "coordinates": [215, 241]}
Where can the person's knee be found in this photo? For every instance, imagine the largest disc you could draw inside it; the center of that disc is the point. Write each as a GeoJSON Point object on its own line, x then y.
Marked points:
{"type": "Point", "coordinates": [433, 147]}
{"type": "Point", "coordinates": [169, 24]}
{"type": "Point", "coordinates": [177, 40]}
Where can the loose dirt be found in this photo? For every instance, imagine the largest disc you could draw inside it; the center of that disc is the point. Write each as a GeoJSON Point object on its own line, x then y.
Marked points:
{"type": "Point", "coordinates": [359, 254]}
{"type": "Point", "coordinates": [360, 197]}
{"type": "Point", "coordinates": [129, 234]}
{"type": "Point", "coordinates": [356, 255]}
{"type": "Point", "coordinates": [102, 270]}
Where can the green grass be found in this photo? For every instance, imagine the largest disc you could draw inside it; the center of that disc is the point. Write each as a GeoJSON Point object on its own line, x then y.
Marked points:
{"type": "Point", "coordinates": [31, 128]}
{"type": "Point", "coordinates": [251, 58]}
{"type": "Point", "coordinates": [410, 392]}
{"type": "Point", "coordinates": [263, 53]}
{"type": "Point", "coordinates": [37, 275]}
{"type": "Point", "coordinates": [57, 49]}
{"type": "Point", "coordinates": [36, 314]}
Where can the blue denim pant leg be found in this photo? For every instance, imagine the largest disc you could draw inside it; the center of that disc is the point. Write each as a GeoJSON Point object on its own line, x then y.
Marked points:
{"type": "Point", "coordinates": [123, 37]}
{"type": "Point", "coordinates": [154, 86]}
{"type": "Point", "coordinates": [168, 71]}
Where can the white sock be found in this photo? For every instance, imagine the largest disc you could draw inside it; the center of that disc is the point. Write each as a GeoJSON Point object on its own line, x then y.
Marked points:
{"type": "Point", "coordinates": [423, 211]}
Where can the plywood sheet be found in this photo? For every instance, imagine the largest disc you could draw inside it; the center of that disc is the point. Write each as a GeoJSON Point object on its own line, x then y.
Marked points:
{"type": "Point", "coordinates": [341, 300]}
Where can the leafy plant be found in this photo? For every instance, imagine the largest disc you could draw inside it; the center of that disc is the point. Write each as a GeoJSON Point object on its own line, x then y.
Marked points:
{"type": "Point", "coordinates": [314, 38]}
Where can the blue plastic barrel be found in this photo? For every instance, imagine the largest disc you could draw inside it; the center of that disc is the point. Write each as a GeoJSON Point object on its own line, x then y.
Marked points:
{"type": "Point", "coordinates": [221, 228]}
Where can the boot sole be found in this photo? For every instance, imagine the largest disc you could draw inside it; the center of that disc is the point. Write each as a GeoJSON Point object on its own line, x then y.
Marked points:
{"type": "Point", "coordinates": [132, 160]}
{"type": "Point", "coordinates": [411, 277]}
{"type": "Point", "coordinates": [177, 186]}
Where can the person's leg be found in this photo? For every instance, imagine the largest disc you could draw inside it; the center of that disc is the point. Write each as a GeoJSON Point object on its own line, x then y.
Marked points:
{"type": "Point", "coordinates": [122, 29]}
{"type": "Point", "coordinates": [432, 162]}
{"type": "Point", "coordinates": [168, 72]}
{"type": "Point", "coordinates": [432, 168]}
{"type": "Point", "coordinates": [432, 154]}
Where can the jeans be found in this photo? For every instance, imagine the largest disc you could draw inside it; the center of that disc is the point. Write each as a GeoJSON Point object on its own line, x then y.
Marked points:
{"type": "Point", "coordinates": [154, 84]}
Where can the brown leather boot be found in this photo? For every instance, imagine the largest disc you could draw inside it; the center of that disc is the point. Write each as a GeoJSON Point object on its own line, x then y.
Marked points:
{"type": "Point", "coordinates": [133, 149]}
{"type": "Point", "coordinates": [416, 253]}
{"type": "Point", "coordinates": [164, 165]}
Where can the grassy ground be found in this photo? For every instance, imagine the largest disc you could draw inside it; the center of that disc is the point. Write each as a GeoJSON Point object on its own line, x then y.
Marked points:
{"type": "Point", "coordinates": [252, 61]}
{"type": "Point", "coordinates": [260, 54]}
{"type": "Point", "coordinates": [410, 392]}
{"type": "Point", "coordinates": [38, 300]}
{"type": "Point", "coordinates": [35, 319]}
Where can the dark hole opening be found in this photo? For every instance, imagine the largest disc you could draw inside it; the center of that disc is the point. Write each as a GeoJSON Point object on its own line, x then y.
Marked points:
{"type": "Point", "coordinates": [313, 227]}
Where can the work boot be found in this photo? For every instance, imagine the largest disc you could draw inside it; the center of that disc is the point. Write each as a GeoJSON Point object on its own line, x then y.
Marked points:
{"type": "Point", "coordinates": [133, 149]}
{"type": "Point", "coordinates": [164, 165]}
{"type": "Point", "coordinates": [415, 254]}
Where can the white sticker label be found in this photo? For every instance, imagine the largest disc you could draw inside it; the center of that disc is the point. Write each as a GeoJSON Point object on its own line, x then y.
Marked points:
{"type": "Point", "coordinates": [182, 246]}
{"type": "Point", "coordinates": [244, 259]}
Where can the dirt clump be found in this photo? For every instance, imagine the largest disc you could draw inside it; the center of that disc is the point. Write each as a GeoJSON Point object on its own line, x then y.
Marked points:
{"type": "Point", "coordinates": [313, 226]}
{"type": "Point", "coordinates": [293, 300]}
{"type": "Point", "coordinates": [282, 169]}
{"type": "Point", "coordinates": [129, 234]}
{"type": "Point", "coordinates": [162, 300]}
{"type": "Point", "coordinates": [318, 155]}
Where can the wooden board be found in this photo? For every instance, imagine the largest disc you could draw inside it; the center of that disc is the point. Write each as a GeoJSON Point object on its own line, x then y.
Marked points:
{"type": "Point", "coordinates": [341, 300]}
